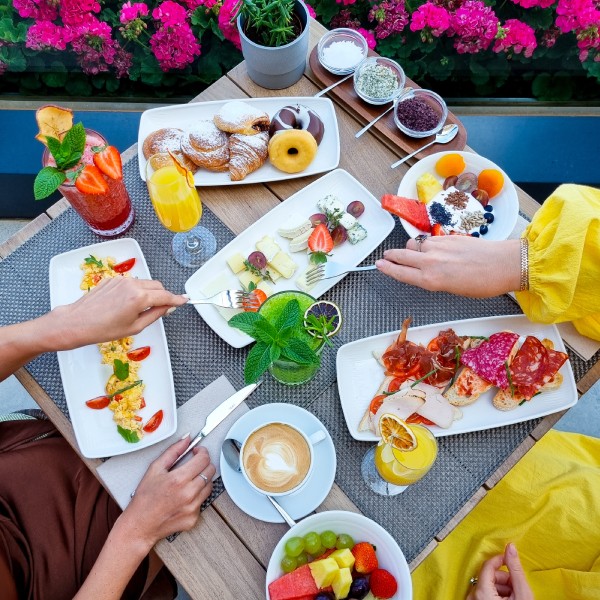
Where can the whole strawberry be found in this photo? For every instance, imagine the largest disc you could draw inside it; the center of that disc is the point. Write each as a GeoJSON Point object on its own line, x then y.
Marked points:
{"type": "Point", "coordinates": [383, 584]}
{"type": "Point", "coordinates": [365, 559]}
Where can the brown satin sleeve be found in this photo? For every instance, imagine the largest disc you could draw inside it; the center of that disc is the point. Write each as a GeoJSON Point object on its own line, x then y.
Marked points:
{"type": "Point", "coordinates": [7, 583]}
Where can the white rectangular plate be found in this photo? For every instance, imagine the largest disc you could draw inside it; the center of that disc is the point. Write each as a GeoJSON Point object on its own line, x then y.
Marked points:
{"type": "Point", "coordinates": [359, 375]}
{"type": "Point", "coordinates": [378, 223]}
{"type": "Point", "coordinates": [84, 376]}
{"type": "Point", "coordinates": [185, 115]}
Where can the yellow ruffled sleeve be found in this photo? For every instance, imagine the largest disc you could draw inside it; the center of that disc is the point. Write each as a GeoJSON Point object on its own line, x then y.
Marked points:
{"type": "Point", "coordinates": [564, 260]}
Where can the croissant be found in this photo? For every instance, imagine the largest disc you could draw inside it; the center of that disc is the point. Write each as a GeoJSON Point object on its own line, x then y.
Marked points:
{"type": "Point", "coordinates": [247, 153]}
{"type": "Point", "coordinates": [159, 142]}
{"type": "Point", "coordinates": [240, 117]}
{"type": "Point", "coordinates": [206, 146]}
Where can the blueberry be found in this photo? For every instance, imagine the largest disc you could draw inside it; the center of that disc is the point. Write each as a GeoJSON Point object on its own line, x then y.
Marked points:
{"type": "Point", "coordinates": [475, 234]}
{"type": "Point", "coordinates": [488, 208]}
{"type": "Point", "coordinates": [483, 229]}
{"type": "Point", "coordinates": [489, 217]}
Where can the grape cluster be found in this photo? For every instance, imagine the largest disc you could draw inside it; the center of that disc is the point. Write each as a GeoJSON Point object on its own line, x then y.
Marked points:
{"type": "Point", "coordinates": [301, 550]}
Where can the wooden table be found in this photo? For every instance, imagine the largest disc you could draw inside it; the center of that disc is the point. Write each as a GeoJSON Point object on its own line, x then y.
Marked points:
{"type": "Point", "coordinates": [226, 555]}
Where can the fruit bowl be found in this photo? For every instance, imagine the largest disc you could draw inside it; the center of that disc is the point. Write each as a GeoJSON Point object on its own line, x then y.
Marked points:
{"type": "Point", "coordinates": [362, 529]}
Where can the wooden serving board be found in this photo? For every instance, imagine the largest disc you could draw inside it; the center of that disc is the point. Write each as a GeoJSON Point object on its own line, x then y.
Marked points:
{"type": "Point", "coordinates": [390, 134]}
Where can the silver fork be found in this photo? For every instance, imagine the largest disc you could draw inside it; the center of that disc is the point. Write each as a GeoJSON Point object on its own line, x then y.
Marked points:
{"type": "Point", "coordinates": [331, 269]}
{"type": "Point", "coordinates": [229, 299]}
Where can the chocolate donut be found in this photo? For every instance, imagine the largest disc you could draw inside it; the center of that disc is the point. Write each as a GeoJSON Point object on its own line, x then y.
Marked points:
{"type": "Point", "coordinates": [298, 117]}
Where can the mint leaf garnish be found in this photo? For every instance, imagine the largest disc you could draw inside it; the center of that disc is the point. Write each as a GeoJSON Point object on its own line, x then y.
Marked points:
{"type": "Point", "coordinates": [73, 144]}
{"type": "Point", "coordinates": [289, 316]}
{"type": "Point", "coordinates": [258, 361]}
{"type": "Point", "coordinates": [47, 181]}
{"type": "Point", "coordinates": [121, 369]}
{"type": "Point", "coordinates": [53, 145]}
{"type": "Point", "coordinates": [246, 322]}
{"type": "Point", "coordinates": [265, 332]}
{"type": "Point", "coordinates": [129, 436]}
{"type": "Point", "coordinates": [92, 260]}
{"type": "Point", "coordinates": [299, 351]}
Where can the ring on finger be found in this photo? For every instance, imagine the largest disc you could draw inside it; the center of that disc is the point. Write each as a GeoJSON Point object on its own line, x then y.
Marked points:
{"type": "Point", "coordinates": [420, 239]}
{"type": "Point", "coordinates": [473, 580]}
{"type": "Point", "coordinates": [204, 477]}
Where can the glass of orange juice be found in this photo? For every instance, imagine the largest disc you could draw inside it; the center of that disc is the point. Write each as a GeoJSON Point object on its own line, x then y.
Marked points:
{"type": "Point", "coordinates": [178, 207]}
{"type": "Point", "coordinates": [402, 457]}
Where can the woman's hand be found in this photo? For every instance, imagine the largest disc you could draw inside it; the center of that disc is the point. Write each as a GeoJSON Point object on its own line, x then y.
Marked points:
{"type": "Point", "coordinates": [115, 308]}
{"type": "Point", "coordinates": [458, 264]}
{"type": "Point", "coordinates": [494, 583]}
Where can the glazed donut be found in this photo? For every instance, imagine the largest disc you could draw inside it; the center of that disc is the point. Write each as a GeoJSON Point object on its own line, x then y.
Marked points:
{"type": "Point", "coordinates": [298, 117]}
{"type": "Point", "coordinates": [292, 150]}
{"type": "Point", "coordinates": [163, 140]}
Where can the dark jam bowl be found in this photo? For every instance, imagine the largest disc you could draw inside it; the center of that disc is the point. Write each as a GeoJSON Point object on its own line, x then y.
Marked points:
{"type": "Point", "coordinates": [423, 115]}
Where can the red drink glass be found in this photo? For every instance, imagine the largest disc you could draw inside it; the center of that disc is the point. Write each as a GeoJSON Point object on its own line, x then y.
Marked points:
{"type": "Point", "coordinates": [107, 214]}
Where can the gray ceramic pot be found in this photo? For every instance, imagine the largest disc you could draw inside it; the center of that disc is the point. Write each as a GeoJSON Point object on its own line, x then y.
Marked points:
{"type": "Point", "coordinates": [280, 67]}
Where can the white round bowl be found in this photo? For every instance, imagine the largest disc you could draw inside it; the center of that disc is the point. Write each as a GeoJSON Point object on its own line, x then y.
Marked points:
{"type": "Point", "coordinates": [362, 529]}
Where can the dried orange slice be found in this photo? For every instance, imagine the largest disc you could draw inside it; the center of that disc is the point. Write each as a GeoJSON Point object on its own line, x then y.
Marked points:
{"type": "Point", "coordinates": [53, 121]}
{"type": "Point", "coordinates": [397, 433]}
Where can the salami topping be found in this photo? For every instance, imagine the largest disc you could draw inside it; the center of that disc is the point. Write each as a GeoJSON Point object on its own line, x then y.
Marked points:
{"type": "Point", "coordinates": [555, 361]}
{"type": "Point", "coordinates": [489, 358]}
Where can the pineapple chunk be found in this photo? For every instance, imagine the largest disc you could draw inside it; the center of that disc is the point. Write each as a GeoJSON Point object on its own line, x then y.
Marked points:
{"type": "Point", "coordinates": [324, 572]}
{"type": "Point", "coordinates": [344, 558]}
{"type": "Point", "coordinates": [266, 287]}
{"type": "Point", "coordinates": [246, 277]}
{"type": "Point", "coordinates": [269, 247]}
{"type": "Point", "coordinates": [236, 262]}
{"type": "Point", "coordinates": [428, 187]}
{"type": "Point", "coordinates": [284, 264]}
{"type": "Point", "coordinates": [341, 583]}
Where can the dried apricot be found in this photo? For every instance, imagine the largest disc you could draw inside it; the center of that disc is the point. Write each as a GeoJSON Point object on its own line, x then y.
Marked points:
{"type": "Point", "coordinates": [491, 181]}
{"type": "Point", "coordinates": [450, 164]}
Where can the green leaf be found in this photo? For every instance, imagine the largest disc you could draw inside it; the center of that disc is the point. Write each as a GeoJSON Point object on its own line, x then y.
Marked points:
{"type": "Point", "coordinates": [47, 182]}
{"type": "Point", "coordinates": [92, 260]}
{"type": "Point", "coordinates": [289, 316]}
{"type": "Point", "coordinates": [53, 145]}
{"type": "Point", "coordinates": [275, 352]}
{"type": "Point", "coordinates": [129, 436]}
{"type": "Point", "coordinates": [285, 334]}
{"type": "Point", "coordinates": [246, 322]}
{"type": "Point", "coordinates": [258, 361]}
{"type": "Point", "coordinates": [317, 258]}
{"type": "Point", "coordinates": [121, 369]}
{"type": "Point", "coordinates": [75, 138]}
{"type": "Point", "coordinates": [265, 332]}
{"type": "Point", "coordinates": [299, 351]}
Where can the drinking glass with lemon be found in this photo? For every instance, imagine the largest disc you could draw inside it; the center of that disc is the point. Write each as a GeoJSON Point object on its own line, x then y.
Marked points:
{"type": "Point", "coordinates": [402, 457]}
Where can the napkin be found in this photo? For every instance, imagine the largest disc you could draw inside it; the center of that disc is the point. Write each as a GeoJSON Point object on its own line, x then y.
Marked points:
{"type": "Point", "coordinates": [122, 474]}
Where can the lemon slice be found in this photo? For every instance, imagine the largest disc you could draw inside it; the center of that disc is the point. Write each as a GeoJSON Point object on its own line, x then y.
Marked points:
{"type": "Point", "coordinates": [397, 433]}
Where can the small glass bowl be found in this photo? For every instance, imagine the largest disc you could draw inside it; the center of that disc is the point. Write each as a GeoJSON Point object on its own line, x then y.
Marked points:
{"type": "Point", "coordinates": [341, 35]}
{"type": "Point", "coordinates": [384, 62]}
{"type": "Point", "coordinates": [430, 98]}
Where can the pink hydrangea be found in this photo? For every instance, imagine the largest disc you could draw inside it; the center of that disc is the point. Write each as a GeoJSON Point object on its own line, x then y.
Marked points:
{"type": "Point", "coordinates": [391, 17]}
{"type": "Point", "coordinates": [576, 15]}
{"type": "Point", "coordinates": [371, 41]}
{"type": "Point", "coordinates": [170, 13]}
{"type": "Point", "coordinates": [45, 35]}
{"type": "Point", "coordinates": [229, 28]}
{"type": "Point", "coordinates": [78, 12]}
{"type": "Point", "coordinates": [534, 3]}
{"type": "Point", "coordinates": [131, 12]}
{"type": "Point", "coordinates": [435, 19]}
{"type": "Point", "coordinates": [516, 37]}
{"type": "Point", "coordinates": [41, 10]}
{"type": "Point", "coordinates": [475, 26]}
{"type": "Point", "coordinates": [175, 46]}
{"type": "Point", "coordinates": [93, 44]}
{"type": "Point", "coordinates": [311, 10]}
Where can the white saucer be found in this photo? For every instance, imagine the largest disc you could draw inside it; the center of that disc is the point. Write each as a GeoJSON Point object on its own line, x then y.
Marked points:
{"type": "Point", "coordinates": [300, 503]}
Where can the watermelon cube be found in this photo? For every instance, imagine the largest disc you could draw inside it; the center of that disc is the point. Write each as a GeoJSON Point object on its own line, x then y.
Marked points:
{"type": "Point", "coordinates": [296, 585]}
{"type": "Point", "coordinates": [408, 209]}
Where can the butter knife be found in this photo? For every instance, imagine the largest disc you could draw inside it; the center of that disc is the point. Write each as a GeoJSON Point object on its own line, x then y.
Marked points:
{"type": "Point", "coordinates": [218, 414]}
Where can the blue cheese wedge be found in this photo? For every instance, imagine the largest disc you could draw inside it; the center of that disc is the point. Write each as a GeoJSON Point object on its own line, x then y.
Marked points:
{"type": "Point", "coordinates": [347, 221]}
{"type": "Point", "coordinates": [294, 226]}
{"type": "Point", "coordinates": [357, 234]}
{"type": "Point", "coordinates": [330, 205]}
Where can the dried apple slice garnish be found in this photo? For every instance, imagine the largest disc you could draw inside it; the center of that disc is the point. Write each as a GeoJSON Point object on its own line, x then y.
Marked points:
{"type": "Point", "coordinates": [53, 121]}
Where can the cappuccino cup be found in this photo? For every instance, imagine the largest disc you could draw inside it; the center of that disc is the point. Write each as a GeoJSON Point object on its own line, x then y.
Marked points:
{"type": "Point", "coordinates": [277, 458]}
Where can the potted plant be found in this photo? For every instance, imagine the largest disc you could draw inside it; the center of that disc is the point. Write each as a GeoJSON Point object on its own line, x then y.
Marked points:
{"type": "Point", "coordinates": [274, 38]}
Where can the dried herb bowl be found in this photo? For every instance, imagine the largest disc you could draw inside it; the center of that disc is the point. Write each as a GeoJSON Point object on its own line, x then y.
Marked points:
{"type": "Point", "coordinates": [333, 50]}
{"type": "Point", "coordinates": [379, 80]}
{"type": "Point", "coordinates": [420, 113]}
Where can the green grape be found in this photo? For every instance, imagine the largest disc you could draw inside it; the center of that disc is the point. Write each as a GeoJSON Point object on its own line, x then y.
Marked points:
{"type": "Point", "coordinates": [319, 552]}
{"type": "Point", "coordinates": [344, 541]}
{"type": "Point", "coordinates": [328, 539]}
{"type": "Point", "coordinates": [294, 546]}
{"type": "Point", "coordinates": [288, 564]}
{"type": "Point", "coordinates": [302, 559]}
{"type": "Point", "coordinates": [312, 542]}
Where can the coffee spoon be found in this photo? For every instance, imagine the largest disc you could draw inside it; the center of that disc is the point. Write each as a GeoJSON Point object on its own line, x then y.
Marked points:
{"type": "Point", "coordinates": [385, 112]}
{"type": "Point", "coordinates": [324, 91]}
{"type": "Point", "coordinates": [447, 134]}
{"type": "Point", "coordinates": [231, 451]}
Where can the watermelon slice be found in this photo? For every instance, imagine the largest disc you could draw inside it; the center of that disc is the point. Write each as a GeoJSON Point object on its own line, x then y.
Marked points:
{"type": "Point", "coordinates": [408, 209]}
{"type": "Point", "coordinates": [296, 585]}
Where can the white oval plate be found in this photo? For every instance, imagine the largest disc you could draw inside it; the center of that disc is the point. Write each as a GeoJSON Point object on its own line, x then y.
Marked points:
{"type": "Point", "coordinates": [506, 203]}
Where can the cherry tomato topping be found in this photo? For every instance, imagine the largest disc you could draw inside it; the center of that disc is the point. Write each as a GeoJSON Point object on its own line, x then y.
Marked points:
{"type": "Point", "coordinates": [153, 423]}
{"type": "Point", "coordinates": [395, 384]}
{"type": "Point", "coordinates": [142, 403]}
{"type": "Point", "coordinates": [139, 354]}
{"type": "Point", "coordinates": [418, 420]}
{"type": "Point", "coordinates": [137, 418]}
{"type": "Point", "coordinates": [124, 266]}
{"type": "Point", "coordinates": [255, 299]}
{"type": "Point", "coordinates": [96, 278]}
{"type": "Point", "coordinates": [118, 397]}
{"type": "Point", "coordinates": [376, 403]}
{"type": "Point", "coordinates": [98, 403]}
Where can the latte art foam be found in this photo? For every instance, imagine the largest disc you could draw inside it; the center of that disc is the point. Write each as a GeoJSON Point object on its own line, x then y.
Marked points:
{"type": "Point", "coordinates": [276, 458]}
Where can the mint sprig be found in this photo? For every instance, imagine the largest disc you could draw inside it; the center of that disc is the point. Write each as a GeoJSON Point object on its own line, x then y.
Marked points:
{"type": "Point", "coordinates": [274, 340]}
{"type": "Point", "coordinates": [129, 436]}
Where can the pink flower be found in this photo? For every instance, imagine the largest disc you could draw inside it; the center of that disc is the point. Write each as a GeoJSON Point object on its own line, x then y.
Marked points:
{"type": "Point", "coordinates": [391, 17]}
{"type": "Point", "coordinates": [170, 13]}
{"type": "Point", "coordinates": [130, 12]}
{"type": "Point", "coordinates": [229, 29]}
{"type": "Point", "coordinates": [311, 10]}
{"type": "Point", "coordinates": [174, 46]}
{"type": "Point", "coordinates": [429, 16]}
{"type": "Point", "coordinates": [576, 14]}
{"type": "Point", "coordinates": [475, 26]}
{"type": "Point", "coordinates": [371, 41]}
{"type": "Point", "coordinates": [550, 36]}
{"type": "Point", "coordinates": [77, 12]}
{"type": "Point", "coordinates": [344, 19]}
{"type": "Point", "coordinates": [45, 35]}
{"type": "Point", "coordinates": [534, 3]}
{"type": "Point", "coordinates": [41, 10]}
{"type": "Point", "coordinates": [93, 44]}
{"type": "Point", "coordinates": [516, 37]}
{"type": "Point", "coordinates": [345, 2]}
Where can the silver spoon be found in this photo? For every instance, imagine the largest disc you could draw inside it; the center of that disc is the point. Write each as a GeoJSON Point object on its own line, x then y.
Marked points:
{"type": "Point", "coordinates": [322, 92]}
{"type": "Point", "coordinates": [385, 112]}
{"type": "Point", "coordinates": [447, 134]}
{"type": "Point", "coordinates": [231, 452]}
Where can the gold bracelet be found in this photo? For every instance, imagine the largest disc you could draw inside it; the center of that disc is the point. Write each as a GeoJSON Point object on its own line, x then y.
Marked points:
{"type": "Point", "coordinates": [524, 282]}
